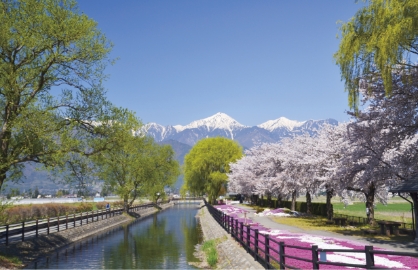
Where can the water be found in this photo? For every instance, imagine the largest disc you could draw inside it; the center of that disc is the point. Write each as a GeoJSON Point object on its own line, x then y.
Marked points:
{"type": "Point", "coordinates": [163, 240]}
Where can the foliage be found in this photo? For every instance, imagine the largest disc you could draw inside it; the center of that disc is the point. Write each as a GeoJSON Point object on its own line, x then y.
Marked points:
{"type": "Point", "coordinates": [136, 165]}
{"type": "Point", "coordinates": [207, 163]}
{"type": "Point", "coordinates": [47, 46]}
{"type": "Point", "coordinates": [319, 209]}
{"type": "Point", "coordinates": [380, 38]}
{"type": "Point", "coordinates": [10, 262]}
{"type": "Point", "coordinates": [209, 247]}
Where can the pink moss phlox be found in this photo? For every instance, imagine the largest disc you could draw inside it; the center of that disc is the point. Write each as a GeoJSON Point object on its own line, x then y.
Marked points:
{"type": "Point", "coordinates": [306, 240]}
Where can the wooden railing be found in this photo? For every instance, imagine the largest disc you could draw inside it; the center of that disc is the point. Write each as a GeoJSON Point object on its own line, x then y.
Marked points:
{"type": "Point", "coordinates": [21, 231]}
{"type": "Point", "coordinates": [271, 253]}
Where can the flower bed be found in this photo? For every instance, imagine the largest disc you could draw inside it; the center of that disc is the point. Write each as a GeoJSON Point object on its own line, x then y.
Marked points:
{"type": "Point", "coordinates": [307, 240]}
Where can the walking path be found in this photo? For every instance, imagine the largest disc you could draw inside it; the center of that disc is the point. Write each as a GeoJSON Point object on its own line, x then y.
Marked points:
{"type": "Point", "coordinates": [267, 222]}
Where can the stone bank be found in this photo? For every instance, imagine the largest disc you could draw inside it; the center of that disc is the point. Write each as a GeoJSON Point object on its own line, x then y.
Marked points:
{"type": "Point", "coordinates": [230, 254]}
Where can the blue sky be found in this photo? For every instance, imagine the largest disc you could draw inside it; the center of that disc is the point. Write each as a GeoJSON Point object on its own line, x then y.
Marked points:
{"type": "Point", "coordinates": [181, 61]}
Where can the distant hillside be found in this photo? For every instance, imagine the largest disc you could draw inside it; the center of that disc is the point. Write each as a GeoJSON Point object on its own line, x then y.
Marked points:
{"type": "Point", "coordinates": [223, 125]}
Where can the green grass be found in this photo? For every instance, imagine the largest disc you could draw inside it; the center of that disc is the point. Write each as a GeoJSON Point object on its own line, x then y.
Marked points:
{"type": "Point", "coordinates": [393, 211]}
{"type": "Point", "coordinates": [397, 208]}
{"type": "Point", "coordinates": [319, 223]}
{"type": "Point", "coordinates": [209, 247]}
{"type": "Point", "coordinates": [10, 262]}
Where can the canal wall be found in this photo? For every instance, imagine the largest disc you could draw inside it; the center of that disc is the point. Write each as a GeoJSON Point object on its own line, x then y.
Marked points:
{"type": "Point", "coordinates": [34, 248]}
{"type": "Point", "coordinates": [230, 254]}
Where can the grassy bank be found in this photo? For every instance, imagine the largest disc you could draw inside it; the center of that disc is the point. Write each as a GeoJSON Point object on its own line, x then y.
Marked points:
{"type": "Point", "coordinates": [10, 262]}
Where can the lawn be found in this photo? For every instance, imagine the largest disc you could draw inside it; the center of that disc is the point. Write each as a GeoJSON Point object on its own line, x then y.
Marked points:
{"type": "Point", "coordinates": [397, 208]}
{"type": "Point", "coordinates": [319, 224]}
{"type": "Point", "coordinates": [394, 211]}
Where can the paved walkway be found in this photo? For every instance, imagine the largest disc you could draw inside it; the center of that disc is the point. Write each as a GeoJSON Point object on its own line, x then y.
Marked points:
{"type": "Point", "coordinates": [267, 222]}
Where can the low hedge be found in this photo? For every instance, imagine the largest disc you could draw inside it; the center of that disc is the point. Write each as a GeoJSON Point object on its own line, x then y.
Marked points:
{"type": "Point", "coordinates": [319, 209]}
{"type": "Point", "coordinates": [19, 213]}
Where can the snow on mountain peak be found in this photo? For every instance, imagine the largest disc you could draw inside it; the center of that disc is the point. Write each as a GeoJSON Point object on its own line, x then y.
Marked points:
{"type": "Point", "coordinates": [280, 123]}
{"type": "Point", "coordinates": [216, 121]}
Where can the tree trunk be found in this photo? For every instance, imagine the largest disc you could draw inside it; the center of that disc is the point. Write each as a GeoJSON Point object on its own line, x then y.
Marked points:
{"type": "Point", "coordinates": [293, 200]}
{"type": "Point", "coordinates": [279, 200]}
{"type": "Point", "coordinates": [269, 199]}
{"type": "Point", "coordinates": [125, 205]}
{"type": "Point", "coordinates": [414, 197]}
{"type": "Point", "coordinates": [2, 177]}
{"type": "Point", "coordinates": [369, 203]}
{"type": "Point", "coordinates": [330, 210]}
{"type": "Point", "coordinates": [308, 203]}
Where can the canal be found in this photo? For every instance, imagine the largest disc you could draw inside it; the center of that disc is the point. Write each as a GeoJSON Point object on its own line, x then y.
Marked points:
{"type": "Point", "coordinates": [162, 240]}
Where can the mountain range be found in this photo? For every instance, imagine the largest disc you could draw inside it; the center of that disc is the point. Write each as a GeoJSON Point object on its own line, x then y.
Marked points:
{"type": "Point", "coordinates": [223, 125]}
{"type": "Point", "coordinates": [182, 139]}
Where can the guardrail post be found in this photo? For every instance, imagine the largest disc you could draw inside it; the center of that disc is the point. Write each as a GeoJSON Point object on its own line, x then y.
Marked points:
{"type": "Point", "coordinates": [241, 227]}
{"type": "Point", "coordinates": [66, 222]}
{"type": "Point", "coordinates": [47, 231]}
{"type": "Point", "coordinates": [58, 223]}
{"type": "Point", "coordinates": [74, 219]}
{"type": "Point", "coordinates": [315, 264]}
{"type": "Point", "coordinates": [81, 219]}
{"type": "Point", "coordinates": [36, 228]}
{"type": "Point", "coordinates": [87, 219]}
{"type": "Point", "coordinates": [23, 231]}
{"type": "Point", "coordinates": [231, 225]}
{"type": "Point", "coordinates": [97, 213]}
{"type": "Point", "coordinates": [236, 229]}
{"type": "Point", "coordinates": [281, 255]}
{"type": "Point", "coordinates": [248, 239]}
{"type": "Point", "coordinates": [266, 250]}
{"type": "Point", "coordinates": [7, 234]}
{"type": "Point", "coordinates": [228, 228]}
{"type": "Point", "coordinates": [256, 245]}
{"type": "Point", "coordinates": [369, 257]}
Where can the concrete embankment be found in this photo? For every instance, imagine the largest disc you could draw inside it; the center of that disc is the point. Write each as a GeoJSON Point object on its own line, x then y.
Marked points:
{"type": "Point", "coordinates": [34, 248]}
{"type": "Point", "coordinates": [230, 254]}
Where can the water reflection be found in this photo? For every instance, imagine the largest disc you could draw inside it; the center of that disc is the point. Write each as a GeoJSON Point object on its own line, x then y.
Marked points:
{"type": "Point", "coordinates": [163, 240]}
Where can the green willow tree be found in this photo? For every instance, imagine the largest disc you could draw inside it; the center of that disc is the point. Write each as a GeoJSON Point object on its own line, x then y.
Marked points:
{"type": "Point", "coordinates": [135, 165]}
{"type": "Point", "coordinates": [52, 61]}
{"type": "Point", "coordinates": [206, 166]}
{"type": "Point", "coordinates": [381, 37]}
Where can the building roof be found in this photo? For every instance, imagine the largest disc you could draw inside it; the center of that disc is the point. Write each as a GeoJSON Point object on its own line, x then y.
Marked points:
{"type": "Point", "coordinates": [409, 185]}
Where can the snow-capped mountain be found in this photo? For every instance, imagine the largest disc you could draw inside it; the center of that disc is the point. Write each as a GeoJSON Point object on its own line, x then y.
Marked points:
{"type": "Point", "coordinates": [281, 122]}
{"type": "Point", "coordinates": [217, 121]}
{"type": "Point", "coordinates": [223, 125]}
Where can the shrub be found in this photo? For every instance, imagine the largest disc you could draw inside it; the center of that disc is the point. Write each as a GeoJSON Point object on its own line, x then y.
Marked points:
{"type": "Point", "coordinates": [209, 247]}
{"type": "Point", "coordinates": [319, 209]}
